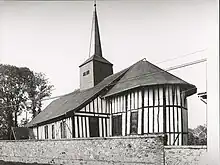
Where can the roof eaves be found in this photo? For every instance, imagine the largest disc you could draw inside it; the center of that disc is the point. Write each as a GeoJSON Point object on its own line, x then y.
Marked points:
{"type": "Point", "coordinates": [69, 112]}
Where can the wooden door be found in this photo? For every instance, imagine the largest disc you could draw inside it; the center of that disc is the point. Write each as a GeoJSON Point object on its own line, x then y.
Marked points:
{"type": "Point", "coordinates": [94, 126]}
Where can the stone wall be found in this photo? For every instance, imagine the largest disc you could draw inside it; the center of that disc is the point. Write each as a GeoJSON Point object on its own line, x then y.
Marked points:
{"type": "Point", "coordinates": [89, 151]}
{"type": "Point", "coordinates": [184, 155]}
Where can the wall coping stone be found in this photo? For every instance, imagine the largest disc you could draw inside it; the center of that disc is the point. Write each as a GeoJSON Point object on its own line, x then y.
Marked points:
{"type": "Point", "coordinates": [186, 147]}
{"type": "Point", "coordinates": [90, 138]}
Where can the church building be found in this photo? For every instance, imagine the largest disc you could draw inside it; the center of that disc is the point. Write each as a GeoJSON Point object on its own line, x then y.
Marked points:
{"type": "Point", "coordinates": [141, 99]}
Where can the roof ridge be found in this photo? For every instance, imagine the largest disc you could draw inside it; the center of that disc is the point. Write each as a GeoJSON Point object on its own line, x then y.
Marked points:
{"type": "Point", "coordinates": [154, 76]}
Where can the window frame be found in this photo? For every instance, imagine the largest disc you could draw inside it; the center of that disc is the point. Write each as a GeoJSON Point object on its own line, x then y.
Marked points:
{"type": "Point", "coordinates": [86, 73]}
{"type": "Point", "coordinates": [134, 114]}
{"type": "Point", "coordinates": [63, 133]}
{"type": "Point", "coordinates": [46, 131]}
{"type": "Point", "coordinates": [53, 131]}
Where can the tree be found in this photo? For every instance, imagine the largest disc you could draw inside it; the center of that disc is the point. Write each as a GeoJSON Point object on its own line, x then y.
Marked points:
{"type": "Point", "coordinates": [197, 136]}
{"type": "Point", "coordinates": [38, 89]}
{"type": "Point", "coordinates": [18, 86]}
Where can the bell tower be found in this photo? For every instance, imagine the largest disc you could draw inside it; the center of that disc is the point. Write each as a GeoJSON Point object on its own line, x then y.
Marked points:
{"type": "Point", "coordinates": [96, 67]}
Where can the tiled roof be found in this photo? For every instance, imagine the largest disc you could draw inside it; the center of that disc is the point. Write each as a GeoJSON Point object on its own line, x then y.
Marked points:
{"type": "Point", "coordinates": [72, 101]}
{"type": "Point", "coordinates": [142, 73]}
{"type": "Point", "coordinates": [145, 73]}
{"type": "Point", "coordinates": [97, 58]}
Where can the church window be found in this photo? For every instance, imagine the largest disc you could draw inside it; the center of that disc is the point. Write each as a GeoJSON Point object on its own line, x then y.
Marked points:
{"type": "Point", "coordinates": [63, 129]}
{"type": "Point", "coordinates": [86, 73]}
{"type": "Point", "coordinates": [53, 131]}
{"type": "Point", "coordinates": [134, 122]}
{"type": "Point", "coordinates": [46, 131]}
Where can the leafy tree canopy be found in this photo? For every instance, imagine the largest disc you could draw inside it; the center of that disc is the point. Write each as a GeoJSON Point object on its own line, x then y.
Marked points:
{"type": "Point", "coordinates": [20, 90]}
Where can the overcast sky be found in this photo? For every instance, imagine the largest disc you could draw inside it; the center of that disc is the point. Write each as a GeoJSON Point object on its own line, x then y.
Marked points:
{"type": "Point", "coordinates": [53, 38]}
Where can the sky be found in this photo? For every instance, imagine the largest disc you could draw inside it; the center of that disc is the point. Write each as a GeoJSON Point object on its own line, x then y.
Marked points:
{"type": "Point", "coordinates": [53, 37]}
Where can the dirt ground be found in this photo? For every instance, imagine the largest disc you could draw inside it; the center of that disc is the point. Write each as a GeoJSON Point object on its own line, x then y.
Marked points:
{"type": "Point", "coordinates": [18, 163]}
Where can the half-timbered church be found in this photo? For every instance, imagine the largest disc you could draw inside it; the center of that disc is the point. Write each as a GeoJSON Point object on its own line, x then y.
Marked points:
{"type": "Point", "coordinates": [141, 99]}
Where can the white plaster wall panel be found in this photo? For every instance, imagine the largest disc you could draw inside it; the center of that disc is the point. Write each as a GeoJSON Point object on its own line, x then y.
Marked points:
{"type": "Point", "coordinates": [156, 117]}
{"type": "Point", "coordinates": [100, 127]}
{"type": "Point", "coordinates": [107, 105]}
{"type": "Point", "coordinates": [123, 124]}
{"type": "Point", "coordinates": [87, 107]}
{"type": "Point", "coordinates": [156, 103]}
{"type": "Point", "coordinates": [42, 132]}
{"type": "Point", "coordinates": [118, 104]}
{"type": "Point", "coordinates": [104, 109]}
{"type": "Point", "coordinates": [161, 119]}
{"type": "Point", "coordinates": [178, 96]}
{"type": "Point", "coordinates": [70, 126]}
{"type": "Point", "coordinates": [124, 103]}
{"type": "Point", "coordinates": [49, 131]}
{"type": "Point", "coordinates": [76, 127]}
{"type": "Point", "coordinates": [132, 100]}
{"type": "Point", "coordinates": [113, 105]}
{"type": "Point", "coordinates": [161, 96]}
{"type": "Point", "coordinates": [67, 128]}
{"type": "Point", "coordinates": [128, 122]}
{"type": "Point", "coordinates": [170, 96]}
{"type": "Point", "coordinates": [175, 96]}
{"type": "Point", "coordinates": [84, 126]}
{"type": "Point", "coordinates": [166, 97]}
{"type": "Point", "coordinates": [150, 97]}
{"type": "Point", "coordinates": [87, 126]}
{"type": "Point", "coordinates": [83, 109]}
{"type": "Point", "coordinates": [99, 105]}
{"type": "Point", "coordinates": [135, 100]}
{"type": "Point", "coordinates": [129, 102]}
{"type": "Point", "coordinates": [57, 130]}
{"type": "Point", "coordinates": [104, 127]}
{"type": "Point", "coordinates": [146, 97]}
{"type": "Point", "coordinates": [140, 99]}
{"type": "Point", "coordinates": [94, 105]}
{"type": "Point", "coordinates": [39, 133]}
{"type": "Point", "coordinates": [108, 127]}
{"type": "Point", "coordinates": [139, 121]}
{"type": "Point", "coordinates": [35, 132]}
{"type": "Point", "coordinates": [80, 126]}
{"type": "Point", "coordinates": [150, 120]}
{"type": "Point", "coordinates": [168, 120]}
{"type": "Point", "coordinates": [91, 107]}
{"type": "Point", "coordinates": [145, 120]}
{"type": "Point", "coordinates": [177, 119]}
{"type": "Point", "coordinates": [180, 119]}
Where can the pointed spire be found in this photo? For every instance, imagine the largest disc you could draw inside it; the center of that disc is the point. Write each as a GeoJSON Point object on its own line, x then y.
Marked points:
{"type": "Point", "coordinates": [97, 49]}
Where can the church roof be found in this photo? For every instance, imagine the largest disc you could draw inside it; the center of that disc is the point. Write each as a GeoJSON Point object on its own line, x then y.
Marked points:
{"type": "Point", "coordinates": [96, 58]}
{"type": "Point", "coordinates": [145, 73]}
{"type": "Point", "coordinates": [142, 73]}
{"type": "Point", "coordinates": [73, 101]}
